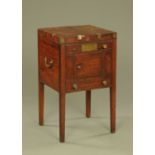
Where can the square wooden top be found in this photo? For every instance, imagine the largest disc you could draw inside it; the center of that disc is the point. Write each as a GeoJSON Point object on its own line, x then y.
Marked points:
{"type": "Point", "coordinates": [70, 34]}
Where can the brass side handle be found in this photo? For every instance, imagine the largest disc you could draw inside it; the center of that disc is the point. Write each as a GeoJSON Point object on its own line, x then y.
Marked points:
{"type": "Point", "coordinates": [49, 63]}
{"type": "Point", "coordinates": [74, 86]}
{"type": "Point", "coordinates": [104, 82]}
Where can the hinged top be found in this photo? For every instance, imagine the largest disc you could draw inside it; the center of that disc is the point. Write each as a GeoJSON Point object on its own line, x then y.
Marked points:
{"type": "Point", "coordinates": [73, 34]}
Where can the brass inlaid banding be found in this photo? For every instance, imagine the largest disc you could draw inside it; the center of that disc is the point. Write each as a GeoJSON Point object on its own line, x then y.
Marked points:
{"type": "Point", "coordinates": [114, 35]}
{"type": "Point", "coordinates": [80, 36]}
{"type": "Point", "coordinates": [61, 40]}
{"type": "Point", "coordinates": [99, 35]}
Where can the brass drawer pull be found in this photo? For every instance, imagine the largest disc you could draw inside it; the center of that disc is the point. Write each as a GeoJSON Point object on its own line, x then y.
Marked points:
{"type": "Point", "coordinates": [104, 46]}
{"type": "Point", "coordinates": [48, 64]}
{"type": "Point", "coordinates": [104, 82]}
{"type": "Point", "coordinates": [74, 86]}
{"type": "Point", "coordinates": [78, 66]}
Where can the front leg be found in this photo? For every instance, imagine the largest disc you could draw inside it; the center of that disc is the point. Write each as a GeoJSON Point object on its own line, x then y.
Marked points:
{"type": "Point", "coordinates": [41, 103]}
{"type": "Point", "coordinates": [62, 116]}
{"type": "Point", "coordinates": [113, 90]}
{"type": "Point", "coordinates": [88, 103]}
{"type": "Point", "coordinates": [62, 93]}
{"type": "Point", "coordinates": [113, 109]}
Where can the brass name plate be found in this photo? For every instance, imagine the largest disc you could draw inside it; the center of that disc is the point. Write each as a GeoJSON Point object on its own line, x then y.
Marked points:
{"type": "Point", "coordinates": [88, 47]}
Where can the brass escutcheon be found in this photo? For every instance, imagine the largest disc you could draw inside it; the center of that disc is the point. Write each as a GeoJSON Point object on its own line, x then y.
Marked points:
{"type": "Point", "coordinates": [88, 47]}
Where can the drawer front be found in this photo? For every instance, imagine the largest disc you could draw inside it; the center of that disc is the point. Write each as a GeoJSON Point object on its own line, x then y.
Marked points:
{"type": "Point", "coordinates": [49, 64]}
{"type": "Point", "coordinates": [88, 65]}
{"type": "Point", "coordinates": [85, 65]}
{"type": "Point", "coordinates": [88, 47]}
{"type": "Point", "coordinates": [78, 38]}
{"type": "Point", "coordinates": [88, 70]}
{"type": "Point", "coordinates": [87, 84]}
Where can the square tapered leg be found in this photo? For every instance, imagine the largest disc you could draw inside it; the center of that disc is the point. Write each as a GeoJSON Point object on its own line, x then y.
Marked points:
{"type": "Point", "coordinates": [113, 109]}
{"type": "Point", "coordinates": [41, 103]}
{"type": "Point", "coordinates": [88, 103]}
{"type": "Point", "coordinates": [62, 117]}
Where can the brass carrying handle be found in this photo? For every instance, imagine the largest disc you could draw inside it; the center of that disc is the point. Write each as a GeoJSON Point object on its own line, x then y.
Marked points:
{"type": "Point", "coordinates": [48, 64]}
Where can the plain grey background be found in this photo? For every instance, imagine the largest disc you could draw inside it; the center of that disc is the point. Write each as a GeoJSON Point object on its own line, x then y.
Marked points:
{"type": "Point", "coordinates": [115, 15]}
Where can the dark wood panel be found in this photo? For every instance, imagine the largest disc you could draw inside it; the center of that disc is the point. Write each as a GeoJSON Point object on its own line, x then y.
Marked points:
{"type": "Point", "coordinates": [77, 48]}
{"type": "Point", "coordinates": [85, 65]}
{"type": "Point", "coordinates": [70, 66]}
{"type": "Point", "coordinates": [88, 65]}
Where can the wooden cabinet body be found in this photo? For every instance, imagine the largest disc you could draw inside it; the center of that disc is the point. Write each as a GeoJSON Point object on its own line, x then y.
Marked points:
{"type": "Point", "coordinates": [76, 58]}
